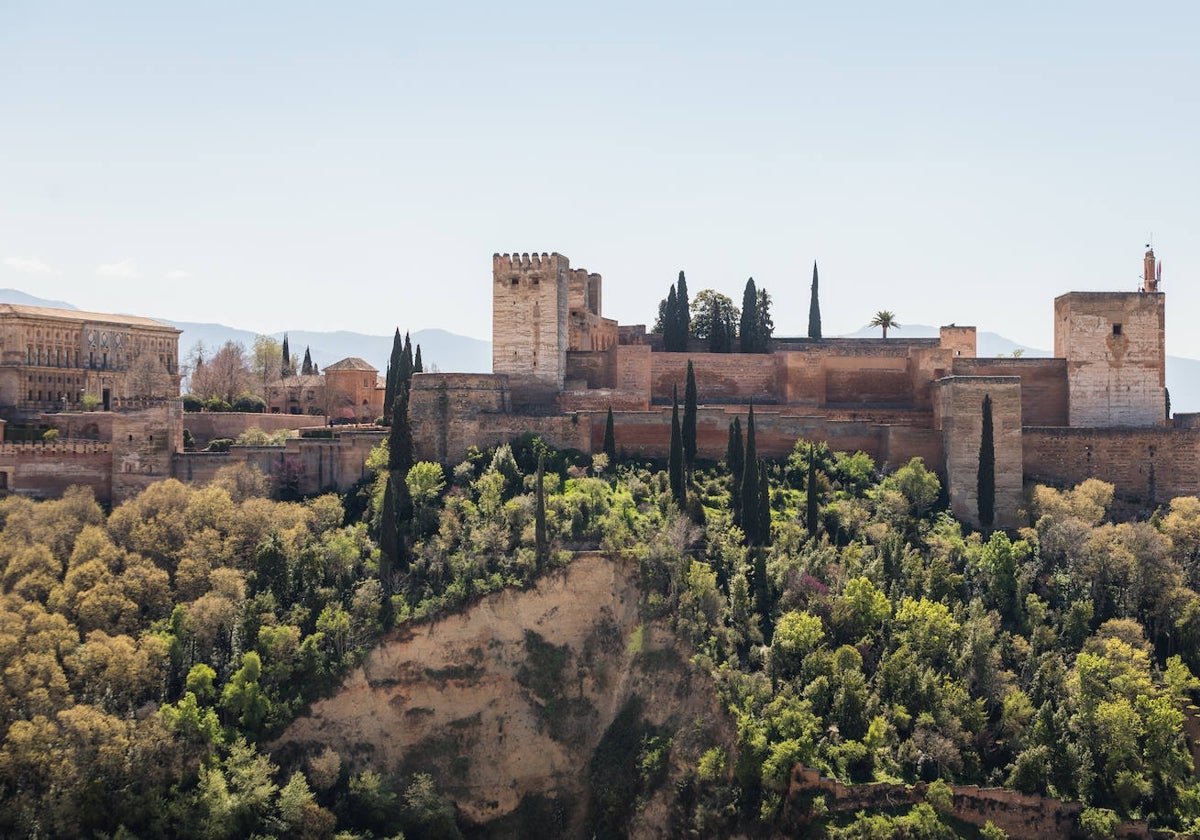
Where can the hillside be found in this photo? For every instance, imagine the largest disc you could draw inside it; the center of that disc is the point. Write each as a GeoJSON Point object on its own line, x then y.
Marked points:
{"type": "Point", "coordinates": [507, 704]}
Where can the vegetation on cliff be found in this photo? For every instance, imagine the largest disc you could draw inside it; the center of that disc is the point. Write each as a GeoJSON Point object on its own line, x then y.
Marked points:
{"type": "Point", "coordinates": [148, 652]}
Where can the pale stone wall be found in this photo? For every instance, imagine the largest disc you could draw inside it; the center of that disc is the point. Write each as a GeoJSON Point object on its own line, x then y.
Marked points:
{"type": "Point", "coordinates": [529, 321]}
{"type": "Point", "coordinates": [1114, 344]}
{"type": "Point", "coordinates": [1043, 385]}
{"type": "Point", "coordinates": [961, 417]}
{"type": "Point", "coordinates": [208, 426]}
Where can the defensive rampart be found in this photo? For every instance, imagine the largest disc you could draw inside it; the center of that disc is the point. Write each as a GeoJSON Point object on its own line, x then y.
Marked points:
{"type": "Point", "coordinates": [209, 426]}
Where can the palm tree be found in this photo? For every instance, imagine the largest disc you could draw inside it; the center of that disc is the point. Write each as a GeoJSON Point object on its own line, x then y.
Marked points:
{"type": "Point", "coordinates": [886, 320]}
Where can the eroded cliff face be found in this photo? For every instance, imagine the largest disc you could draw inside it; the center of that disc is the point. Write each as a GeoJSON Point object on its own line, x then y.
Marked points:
{"type": "Point", "coordinates": [507, 704]}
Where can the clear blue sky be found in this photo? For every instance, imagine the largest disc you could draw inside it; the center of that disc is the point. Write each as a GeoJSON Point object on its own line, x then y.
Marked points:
{"type": "Point", "coordinates": [354, 166]}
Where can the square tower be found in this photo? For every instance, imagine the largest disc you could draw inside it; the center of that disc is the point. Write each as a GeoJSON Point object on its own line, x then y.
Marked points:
{"type": "Point", "coordinates": [529, 321]}
{"type": "Point", "coordinates": [1114, 344]}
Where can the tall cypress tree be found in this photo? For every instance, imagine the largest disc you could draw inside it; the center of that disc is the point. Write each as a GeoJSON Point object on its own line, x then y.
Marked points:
{"type": "Point", "coordinates": [610, 439]}
{"type": "Point", "coordinates": [683, 315]}
{"type": "Point", "coordinates": [675, 459]}
{"type": "Point", "coordinates": [748, 329]}
{"type": "Point", "coordinates": [811, 509]}
{"type": "Point", "coordinates": [418, 365]}
{"type": "Point", "coordinates": [689, 420]}
{"type": "Point", "coordinates": [814, 308]}
{"type": "Point", "coordinates": [764, 507]}
{"type": "Point", "coordinates": [396, 516]}
{"type": "Point", "coordinates": [307, 367]}
{"type": "Point", "coordinates": [749, 489]}
{"type": "Point", "coordinates": [285, 363]}
{"type": "Point", "coordinates": [671, 322]}
{"type": "Point", "coordinates": [541, 547]}
{"type": "Point", "coordinates": [400, 450]}
{"type": "Point", "coordinates": [986, 488]}
{"type": "Point", "coordinates": [406, 364]}
{"type": "Point", "coordinates": [393, 372]}
{"type": "Point", "coordinates": [735, 460]}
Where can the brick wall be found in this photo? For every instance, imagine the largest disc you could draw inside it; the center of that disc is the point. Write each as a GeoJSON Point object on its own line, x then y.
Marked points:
{"type": "Point", "coordinates": [206, 426]}
{"type": "Point", "coordinates": [1043, 385]}
{"type": "Point", "coordinates": [1148, 465]}
{"type": "Point", "coordinates": [720, 377]}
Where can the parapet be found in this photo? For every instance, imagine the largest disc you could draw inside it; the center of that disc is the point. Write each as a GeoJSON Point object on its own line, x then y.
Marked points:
{"type": "Point", "coordinates": [525, 262]}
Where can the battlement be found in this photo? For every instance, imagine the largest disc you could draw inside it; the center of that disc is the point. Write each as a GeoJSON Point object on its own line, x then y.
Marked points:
{"type": "Point", "coordinates": [525, 262]}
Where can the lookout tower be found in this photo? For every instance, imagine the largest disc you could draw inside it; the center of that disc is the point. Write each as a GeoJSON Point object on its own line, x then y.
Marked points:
{"type": "Point", "coordinates": [1114, 344]}
{"type": "Point", "coordinates": [530, 296]}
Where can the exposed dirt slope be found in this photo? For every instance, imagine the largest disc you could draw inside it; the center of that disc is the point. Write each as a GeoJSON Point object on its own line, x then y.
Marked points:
{"type": "Point", "coordinates": [510, 700]}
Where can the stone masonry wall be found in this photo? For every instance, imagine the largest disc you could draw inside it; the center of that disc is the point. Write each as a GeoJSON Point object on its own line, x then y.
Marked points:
{"type": "Point", "coordinates": [1149, 465]}
{"type": "Point", "coordinates": [206, 426]}
{"type": "Point", "coordinates": [1115, 346]}
{"type": "Point", "coordinates": [720, 377]}
{"type": "Point", "coordinates": [961, 415]}
{"type": "Point", "coordinates": [1043, 385]}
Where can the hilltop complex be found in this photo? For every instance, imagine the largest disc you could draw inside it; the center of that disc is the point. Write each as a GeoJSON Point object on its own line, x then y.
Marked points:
{"type": "Point", "coordinates": [1099, 408]}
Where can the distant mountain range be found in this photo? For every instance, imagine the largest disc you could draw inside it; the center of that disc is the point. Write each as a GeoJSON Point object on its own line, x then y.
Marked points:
{"type": "Point", "coordinates": [446, 351]}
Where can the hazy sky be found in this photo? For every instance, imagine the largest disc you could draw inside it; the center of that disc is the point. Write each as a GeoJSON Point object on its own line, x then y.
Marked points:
{"type": "Point", "coordinates": [280, 166]}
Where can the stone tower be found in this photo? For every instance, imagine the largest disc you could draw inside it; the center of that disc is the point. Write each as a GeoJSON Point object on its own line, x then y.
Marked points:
{"type": "Point", "coordinates": [530, 296]}
{"type": "Point", "coordinates": [1114, 344]}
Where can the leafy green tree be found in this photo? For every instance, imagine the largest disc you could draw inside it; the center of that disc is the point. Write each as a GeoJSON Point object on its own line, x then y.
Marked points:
{"type": "Point", "coordinates": [986, 484]}
{"type": "Point", "coordinates": [814, 308]}
{"type": "Point", "coordinates": [714, 319]}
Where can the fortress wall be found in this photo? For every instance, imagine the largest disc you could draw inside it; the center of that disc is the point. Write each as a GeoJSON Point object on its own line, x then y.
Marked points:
{"type": "Point", "coordinates": [47, 471]}
{"type": "Point", "coordinates": [602, 399]}
{"type": "Point", "coordinates": [961, 399]}
{"type": "Point", "coordinates": [883, 381]}
{"type": "Point", "coordinates": [206, 426]}
{"type": "Point", "coordinates": [720, 377]}
{"type": "Point", "coordinates": [596, 369]}
{"type": "Point", "coordinates": [1150, 465]}
{"type": "Point", "coordinates": [143, 445]}
{"type": "Point", "coordinates": [633, 370]}
{"type": "Point", "coordinates": [1043, 385]}
{"type": "Point", "coordinates": [441, 407]}
{"type": "Point", "coordinates": [900, 444]}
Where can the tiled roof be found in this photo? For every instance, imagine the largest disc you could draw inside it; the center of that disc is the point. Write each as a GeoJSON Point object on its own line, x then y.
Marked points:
{"type": "Point", "coordinates": [352, 363]}
{"type": "Point", "coordinates": [78, 315]}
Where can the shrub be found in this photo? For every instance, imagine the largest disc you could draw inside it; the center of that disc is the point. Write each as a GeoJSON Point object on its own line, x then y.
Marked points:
{"type": "Point", "coordinates": [91, 402]}
{"type": "Point", "coordinates": [215, 404]}
{"type": "Point", "coordinates": [190, 402]}
{"type": "Point", "coordinates": [50, 435]}
{"type": "Point", "coordinates": [219, 445]}
{"type": "Point", "coordinates": [249, 404]}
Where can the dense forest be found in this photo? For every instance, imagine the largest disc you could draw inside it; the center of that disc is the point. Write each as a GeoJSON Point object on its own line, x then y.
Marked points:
{"type": "Point", "coordinates": [848, 622]}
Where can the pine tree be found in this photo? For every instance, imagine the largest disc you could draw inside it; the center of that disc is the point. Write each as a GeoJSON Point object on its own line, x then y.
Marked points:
{"type": "Point", "coordinates": [285, 365]}
{"type": "Point", "coordinates": [748, 329]}
{"type": "Point", "coordinates": [986, 488]}
{"type": "Point", "coordinates": [689, 421]}
{"type": "Point", "coordinates": [814, 308]}
{"type": "Point", "coordinates": [683, 315]}
{"type": "Point", "coordinates": [675, 458]}
{"type": "Point", "coordinates": [734, 460]}
{"type": "Point", "coordinates": [749, 488]}
{"type": "Point", "coordinates": [418, 365]}
{"type": "Point", "coordinates": [307, 368]}
{"type": "Point", "coordinates": [610, 439]}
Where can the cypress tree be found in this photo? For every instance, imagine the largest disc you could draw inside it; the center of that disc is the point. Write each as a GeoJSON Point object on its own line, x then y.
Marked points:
{"type": "Point", "coordinates": [689, 420]}
{"type": "Point", "coordinates": [683, 314]}
{"type": "Point", "coordinates": [285, 364]}
{"type": "Point", "coordinates": [764, 506]}
{"type": "Point", "coordinates": [675, 459]}
{"type": "Point", "coordinates": [400, 456]}
{"type": "Point", "coordinates": [418, 365]}
{"type": "Point", "coordinates": [307, 368]}
{"type": "Point", "coordinates": [986, 488]}
{"type": "Point", "coordinates": [811, 509]}
{"type": "Point", "coordinates": [541, 548]}
{"type": "Point", "coordinates": [748, 329]}
{"type": "Point", "coordinates": [814, 308]}
{"type": "Point", "coordinates": [610, 439]}
{"type": "Point", "coordinates": [389, 537]}
{"type": "Point", "coordinates": [735, 460]}
{"type": "Point", "coordinates": [749, 489]}
{"type": "Point", "coordinates": [671, 322]}
{"type": "Point", "coordinates": [406, 364]}
{"type": "Point", "coordinates": [393, 371]}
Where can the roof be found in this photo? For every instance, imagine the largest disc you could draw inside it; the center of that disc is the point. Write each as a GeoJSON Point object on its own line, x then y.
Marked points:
{"type": "Point", "coordinates": [352, 363]}
{"type": "Point", "coordinates": [76, 315]}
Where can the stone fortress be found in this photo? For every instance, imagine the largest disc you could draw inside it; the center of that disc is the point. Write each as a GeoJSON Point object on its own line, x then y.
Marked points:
{"type": "Point", "coordinates": [1098, 408]}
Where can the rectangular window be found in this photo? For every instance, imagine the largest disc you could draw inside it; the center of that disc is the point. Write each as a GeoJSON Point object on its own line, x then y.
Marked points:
{"type": "Point", "coordinates": [1116, 329]}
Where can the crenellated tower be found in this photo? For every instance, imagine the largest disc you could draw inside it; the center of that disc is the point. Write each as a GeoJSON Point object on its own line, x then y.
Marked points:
{"type": "Point", "coordinates": [530, 296]}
